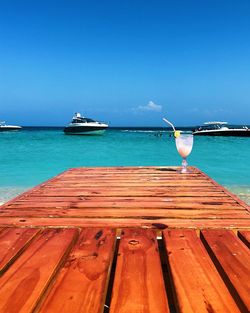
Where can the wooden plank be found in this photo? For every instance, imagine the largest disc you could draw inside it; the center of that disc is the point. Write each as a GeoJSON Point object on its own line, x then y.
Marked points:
{"type": "Point", "coordinates": [129, 176]}
{"type": "Point", "coordinates": [230, 194]}
{"type": "Point", "coordinates": [148, 170]}
{"type": "Point", "coordinates": [232, 259]}
{"type": "Point", "coordinates": [22, 286]}
{"type": "Point", "coordinates": [29, 191]}
{"type": "Point", "coordinates": [133, 179]}
{"type": "Point", "coordinates": [136, 171]}
{"type": "Point", "coordinates": [132, 199]}
{"type": "Point", "coordinates": [197, 285]}
{"type": "Point", "coordinates": [245, 237]}
{"type": "Point", "coordinates": [125, 204]}
{"type": "Point", "coordinates": [150, 213]}
{"type": "Point", "coordinates": [138, 285]}
{"type": "Point", "coordinates": [130, 184]}
{"type": "Point", "coordinates": [145, 197]}
{"type": "Point", "coordinates": [144, 176]}
{"type": "Point", "coordinates": [137, 188]}
{"type": "Point", "coordinates": [103, 169]}
{"type": "Point", "coordinates": [82, 283]}
{"type": "Point", "coordinates": [157, 191]}
{"type": "Point", "coordinates": [132, 169]}
{"type": "Point", "coordinates": [146, 222]}
{"type": "Point", "coordinates": [110, 205]}
{"type": "Point", "coordinates": [13, 241]}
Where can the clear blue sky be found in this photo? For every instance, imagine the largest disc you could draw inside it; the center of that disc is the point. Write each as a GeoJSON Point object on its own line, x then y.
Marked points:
{"type": "Point", "coordinates": [125, 62]}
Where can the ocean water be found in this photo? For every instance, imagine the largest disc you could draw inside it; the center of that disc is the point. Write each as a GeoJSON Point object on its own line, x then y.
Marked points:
{"type": "Point", "coordinates": [31, 156]}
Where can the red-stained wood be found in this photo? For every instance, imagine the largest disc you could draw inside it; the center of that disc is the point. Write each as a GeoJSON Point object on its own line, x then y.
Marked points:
{"type": "Point", "coordinates": [138, 284]}
{"type": "Point", "coordinates": [155, 172]}
{"type": "Point", "coordinates": [144, 199]}
{"type": "Point", "coordinates": [82, 282]}
{"type": "Point", "coordinates": [144, 213]}
{"type": "Point", "coordinates": [133, 169]}
{"type": "Point", "coordinates": [202, 200]}
{"type": "Point", "coordinates": [167, 183]}
{"type": "Point", "coordinates": [145, 222]}
{"type": "Point", "coordinates": [232, 259]}
{"type": "Point", "coordinates": [38, 187]}
{"type": "Point", "coordinates": [197, 285]}
{"type": "Point", "coordinates": [126, 205]}
{"type": "Point", "coordinates": [230, 194]}
{"type": "Point", "coordinates": [129, 169]}
{"type": "Point", "coordinates": [130, 192]}
{"type": "Point", "coordinates": [245, 237]}
{"type": "Point", "coordinates": [22, 286]}
{"type": "Point", "coordinates": [133, 180]}
{"type": "Point", "coordinates": [138, 188]}
{"type": "Point", "coordinates": [111, 195]}
{"type": "Point", "coordinates": [13, 242]}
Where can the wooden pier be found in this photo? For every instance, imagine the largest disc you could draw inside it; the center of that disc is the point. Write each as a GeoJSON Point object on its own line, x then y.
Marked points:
{"type": "Point", "coordinates": [125, 239]}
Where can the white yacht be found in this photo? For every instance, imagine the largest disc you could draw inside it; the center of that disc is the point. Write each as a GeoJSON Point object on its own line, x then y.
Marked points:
{"type": "Point", "coordinates": [5, 127]}
{"type": "Point", "coordinates": [221, 129]}
{"type": "Point", "coordinates": [84, 126]}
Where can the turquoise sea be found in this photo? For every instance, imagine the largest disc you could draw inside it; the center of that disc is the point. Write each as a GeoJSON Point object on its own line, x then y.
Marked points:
{"type": "Point", "coordinates": [33, 155]}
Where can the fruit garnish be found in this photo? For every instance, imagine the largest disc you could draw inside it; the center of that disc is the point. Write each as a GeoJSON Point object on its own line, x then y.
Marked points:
{"type": "Point", "coordinates": [177, 133]}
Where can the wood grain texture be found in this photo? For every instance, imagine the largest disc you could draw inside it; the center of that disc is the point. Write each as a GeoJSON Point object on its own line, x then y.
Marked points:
{"type": "Point", "coordinates": [245, 237]}
{"type": "Point", "coordinates": [232, 259]}
{"type": "Point", "coordinates": [133, 183]}
{"type": "Point", "coordinates": [126, 204]}
{"type": "Point", "coordinates": [13, 242]}
{"type": "Point", "coordinates": [129, 192]}
{"type": "Point", "coordinates": [145, 213]}
{"type": "Point", "coordinates": [194, 199]}
{"type": "Point", "coordinates": [22, 286]}
{"type": "Point", "coordinates": [40, 274]}
{"type": "Point", "coordinates": [127, 197]}
{"type": "Point", "coordinates": [138, 285]}
{"type": "Point", "coordinates": [82, 282]}
{"type": "Point", "coordinates": [197, 285]}
{"type": "Point", "coordinates": [146, 222]}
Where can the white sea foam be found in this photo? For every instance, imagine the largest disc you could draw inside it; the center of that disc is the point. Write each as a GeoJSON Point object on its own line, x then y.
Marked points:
{"type": "Point", "coordinates": [139, 131]}
{"type": "Point", "coordinates": [145, 131]}
{"type": "Point", "coordinates": [243, 192]}
{"type": "Point", "coordinates": [7, 193]}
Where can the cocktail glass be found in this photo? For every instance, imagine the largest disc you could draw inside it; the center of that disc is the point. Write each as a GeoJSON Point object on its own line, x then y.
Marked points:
{"type": "Point", "coordinates": [184, 145]}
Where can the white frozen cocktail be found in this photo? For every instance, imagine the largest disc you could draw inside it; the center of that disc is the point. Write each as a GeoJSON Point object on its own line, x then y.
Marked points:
{"type": "Point", "coordinates": [184, 145]}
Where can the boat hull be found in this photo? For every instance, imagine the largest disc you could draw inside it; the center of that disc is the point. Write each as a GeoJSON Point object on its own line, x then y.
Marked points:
{"type": "Point", "coordinates": [230, 132]}
{"type": "Point", "coordinates": [84, 130]}
{"type": "Point", "coordinates": [6, 128]}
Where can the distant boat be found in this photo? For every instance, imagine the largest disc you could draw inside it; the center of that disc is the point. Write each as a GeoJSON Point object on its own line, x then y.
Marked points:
{"type": "Point", "coordinates": [84, 126]}
{"type": "Point", "coordinates": [221, 129]}
{"type": "Point", "coordinates": [5, 127]}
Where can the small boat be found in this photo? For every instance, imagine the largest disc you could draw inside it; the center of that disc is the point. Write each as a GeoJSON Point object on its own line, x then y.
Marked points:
{"type": "Point", "coordinates": [221, 129]}
{"type": "Point", "coordinates": [5, 127]}
{"type": "Point", "coordinates": [84, 126]}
